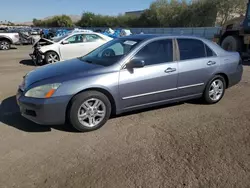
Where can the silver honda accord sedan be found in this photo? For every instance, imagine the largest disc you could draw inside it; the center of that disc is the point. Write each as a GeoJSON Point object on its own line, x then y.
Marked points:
{"type": "Point", "coordinates": [126, 74]}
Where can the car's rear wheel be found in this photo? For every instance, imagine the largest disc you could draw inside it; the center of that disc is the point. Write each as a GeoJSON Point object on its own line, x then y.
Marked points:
{"type": "Point", "coordinates": [51, 57]}
{"type": "Point", "coordinates": [89, 111]}
{"type": "Point", "coordinates": [215, 90]}
{"type": "Point", "coordinates": [4, 45]}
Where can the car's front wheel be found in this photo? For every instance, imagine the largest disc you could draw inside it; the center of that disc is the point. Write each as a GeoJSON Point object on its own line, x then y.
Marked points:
{"type": "Point", "coordinates": [89, 111]}
{"type": "Point", "coordinates": [4, 45]}
{"type": "Point", "coordinates": [51, 57]}
{"type": "Point", "coordinates": [215, 90]}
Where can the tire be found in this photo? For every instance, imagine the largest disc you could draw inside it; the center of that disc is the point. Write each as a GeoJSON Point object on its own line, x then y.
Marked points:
{"type": "Point", "coordinates": [211, 97]}
{"type": "Point", "coordinates": [4, 45]}
{"type": "Point", "coordinates": [51, 57]}
{"type": "Point", "coordinates": [232, 43]}
{"type": "Point", "coordinates": [79, 110]}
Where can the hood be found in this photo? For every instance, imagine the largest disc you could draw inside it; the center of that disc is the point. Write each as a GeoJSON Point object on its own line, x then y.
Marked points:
{"type": "Point", "coordinates": [43, 42]}
{"type": "Point", "coordinates": [59, 69]}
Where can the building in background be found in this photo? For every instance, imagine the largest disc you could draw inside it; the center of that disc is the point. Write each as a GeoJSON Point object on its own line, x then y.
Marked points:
{"type": "Point", "coordinates": [134, 13]}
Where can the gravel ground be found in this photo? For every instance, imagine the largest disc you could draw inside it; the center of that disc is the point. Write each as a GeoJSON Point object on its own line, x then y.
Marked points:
{"type": "Point", "coordinates": [182, 145]}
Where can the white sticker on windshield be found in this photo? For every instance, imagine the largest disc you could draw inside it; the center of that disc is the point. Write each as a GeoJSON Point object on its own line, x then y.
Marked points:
{"type": "Point", "coordinates": [130, 42]}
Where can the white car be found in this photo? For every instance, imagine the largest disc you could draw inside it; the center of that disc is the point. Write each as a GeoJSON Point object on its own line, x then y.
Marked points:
{"type": "Point", "coordinates": [67, 47]}
{"type": "Point", "coordinates": [7, 39]}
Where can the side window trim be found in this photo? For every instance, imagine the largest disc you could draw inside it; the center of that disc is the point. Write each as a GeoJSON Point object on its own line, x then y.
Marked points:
{"type": "Point", "coordinates": [151, 41]}
{"type": "Point", "coordinates": [179, 53]}
{"type": "Point", "coordinates": [205, 47]}
{"type": "Point", "coordinates": [176, 50]}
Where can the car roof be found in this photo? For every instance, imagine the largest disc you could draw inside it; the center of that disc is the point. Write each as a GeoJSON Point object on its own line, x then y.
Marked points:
{"type": "Point", "coordinates": [82, 32]}
{"type": "Point", "coordinates": [219, 51]}
{"type": "Point", "coordinates": [151, 36]}
{"type": "Point", "coordinates": [91, 32]}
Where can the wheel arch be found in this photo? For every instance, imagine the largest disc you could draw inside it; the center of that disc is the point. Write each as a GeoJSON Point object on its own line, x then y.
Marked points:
{"type": "Point", "coordinates": [52, 51]}
{"type": "Point", "coordinates": [101, 90]}
{"type": "Point", "coordinates": [224, 76]}
{"type": "Point", "coordinates": [6, 38]}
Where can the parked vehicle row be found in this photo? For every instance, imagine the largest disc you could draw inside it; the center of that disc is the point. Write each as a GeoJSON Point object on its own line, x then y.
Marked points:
{"type": "Point", "coordinates": [126, 74]}
{"type": "Point", "coordinates": [66, 47]}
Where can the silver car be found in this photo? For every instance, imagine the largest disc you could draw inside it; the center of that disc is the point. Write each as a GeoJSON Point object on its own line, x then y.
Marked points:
{"type": "Point", "coordinates": [126, 74]}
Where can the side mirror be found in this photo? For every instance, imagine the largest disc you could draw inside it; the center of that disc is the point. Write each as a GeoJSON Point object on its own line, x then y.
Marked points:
{"type": "Point", "coordinates": [136, 63]}
{"type": "Point", "coordinates": [65, 42]}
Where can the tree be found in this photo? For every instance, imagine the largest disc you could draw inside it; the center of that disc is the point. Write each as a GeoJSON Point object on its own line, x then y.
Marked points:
{"type": "Point", "coordinates": [37, 23]}
{"type": "Point", "coordinates": [149, 18]}
{"type": "Point", "coordinates": [161, 13]}
{"type": "Point", "coordinates": [56, 21]}
{"type": "Point", "coordinates": [228, 9]}
{"type": "Point", "coordinates": [176, 13]}
{"type": "Point", "coordinates": [86, 19]}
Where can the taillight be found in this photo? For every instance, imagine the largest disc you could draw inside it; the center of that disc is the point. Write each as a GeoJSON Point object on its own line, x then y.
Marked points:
{"type": "Point", "coordinates": [16, 36]}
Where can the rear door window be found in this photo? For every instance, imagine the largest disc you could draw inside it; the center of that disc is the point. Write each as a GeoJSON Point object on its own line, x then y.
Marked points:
{"type": "Point", "coordinates": [191, 49]}
{"type": "Point", "coordinates": [91, 38]}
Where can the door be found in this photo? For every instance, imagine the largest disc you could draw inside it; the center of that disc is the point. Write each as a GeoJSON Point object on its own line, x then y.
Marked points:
{"type": "Point", "coordinates": [197, 64]}
{"type": "Point", "coordinates": [73, 47]}
{"type": "Point", "coordinates": [155, 82]}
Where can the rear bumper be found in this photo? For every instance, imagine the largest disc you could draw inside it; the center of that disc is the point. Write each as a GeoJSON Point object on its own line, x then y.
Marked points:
{"type": "Point", "coordinates": [50, 111]}
{"type": "Point", "coordinates": [236, 77]}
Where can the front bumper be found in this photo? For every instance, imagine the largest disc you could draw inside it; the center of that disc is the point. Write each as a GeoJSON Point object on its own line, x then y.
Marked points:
{"type": "Point", "coordinates": [37, 57]}
{"type": "Point", "coordinates": [50, 111]}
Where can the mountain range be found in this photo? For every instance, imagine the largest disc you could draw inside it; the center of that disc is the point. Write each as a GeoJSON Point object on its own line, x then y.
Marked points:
{"type": "Point", "coordinates": [74, 18]}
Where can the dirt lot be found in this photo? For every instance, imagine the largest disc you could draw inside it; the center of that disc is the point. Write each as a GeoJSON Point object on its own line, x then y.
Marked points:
{"type": "Point", "coordinates": [182, 145]}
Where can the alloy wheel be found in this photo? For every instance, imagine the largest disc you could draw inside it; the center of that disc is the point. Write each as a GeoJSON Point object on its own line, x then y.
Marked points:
{"type": "Point", "coordinates": [91, 112]}
{"type": "Point", "coordinates": [5, 45]}
{"type": "Point", "coordinates": [53, 58]}
{"type": "Point", "coordinates": [216, 90]}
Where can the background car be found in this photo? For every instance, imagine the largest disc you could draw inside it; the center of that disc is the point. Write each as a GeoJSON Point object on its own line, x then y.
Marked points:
{"type": "Point", "coordinates": [67, 47]}
{"type": "Point", "coordinates": [126, 74]}
{"type": "Point", "coordinates": [7, 39]}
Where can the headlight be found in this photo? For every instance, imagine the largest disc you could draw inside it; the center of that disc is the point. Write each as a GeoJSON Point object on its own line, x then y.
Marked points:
{"type": "Point", "coordinates": [45, 91]}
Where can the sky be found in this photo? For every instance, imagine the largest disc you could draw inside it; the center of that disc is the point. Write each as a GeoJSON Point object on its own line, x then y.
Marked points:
{"type": "Point", "coordinates": [26, 10]}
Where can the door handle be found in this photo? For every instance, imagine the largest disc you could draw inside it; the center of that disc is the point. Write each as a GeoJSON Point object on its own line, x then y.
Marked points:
{"type": "Point", "coordinates": [168, 70]}
{"type": "Point", "coordinates": [211, 63]}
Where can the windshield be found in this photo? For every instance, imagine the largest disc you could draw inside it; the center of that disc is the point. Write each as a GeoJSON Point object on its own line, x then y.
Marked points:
{"type": "Point", "coordinates": [57, 39]}
{"type": "Point", "coordinates": [111, 52]}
